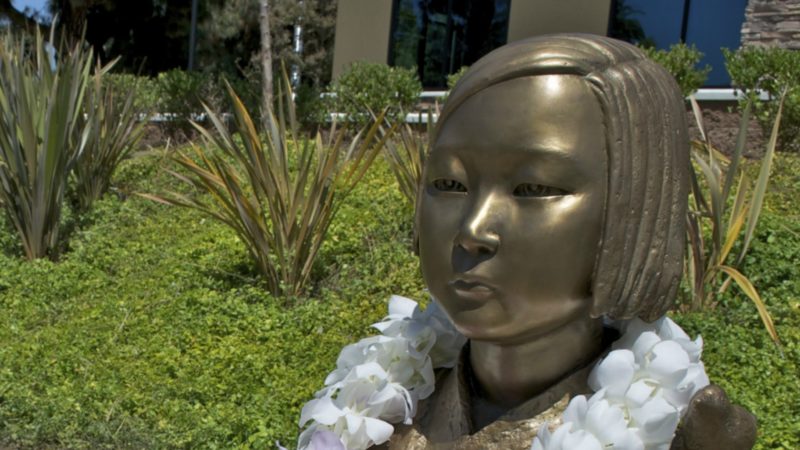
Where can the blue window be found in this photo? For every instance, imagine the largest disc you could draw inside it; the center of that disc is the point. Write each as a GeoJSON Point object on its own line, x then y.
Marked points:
{"type": "Point", "coordinates": [438, 37]}
{"type": "Point", "coordinates": [708, 24]}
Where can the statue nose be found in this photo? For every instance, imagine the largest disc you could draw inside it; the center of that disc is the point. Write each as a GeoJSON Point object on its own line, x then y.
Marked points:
{"type": "Point", "coordinates": [480, 243]}
{"type": "Point", "coordinates": [478, 234]}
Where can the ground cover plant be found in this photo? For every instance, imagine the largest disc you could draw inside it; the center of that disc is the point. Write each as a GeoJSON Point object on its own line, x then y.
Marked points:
{"type": "Point", "coordinates": [281, 192]}
{"type": "Point", "coordinates": [154, 330]}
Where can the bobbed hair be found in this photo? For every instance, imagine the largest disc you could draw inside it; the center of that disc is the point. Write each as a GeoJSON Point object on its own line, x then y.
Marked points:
{"type": "Point", "coordinates": [640, 254]}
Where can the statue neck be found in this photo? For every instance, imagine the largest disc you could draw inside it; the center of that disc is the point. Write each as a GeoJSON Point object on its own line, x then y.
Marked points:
{"type": "Point", "coordinates": [509, 374]}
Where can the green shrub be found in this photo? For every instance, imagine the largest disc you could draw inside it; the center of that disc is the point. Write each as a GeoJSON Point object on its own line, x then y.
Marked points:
{"type": "Point", "coordinates": [453, 78]}
{"type": "Point", "coordinates": [771, 70]}
{"type": "Point", "coordinates": [280, 192]}
{"type": "Point", "coordinates": [141, 338]}
{"type": "Point", "coordinates": [146, 98]}
{"type": "Point", "coordinates": [42, 133]}
{"type": "Point", "coordinates": [724, 201]}
{"type": "Point", "coordinates": [116, 127]}
{"type": "Point", "coordinates": [145, 339]}
{"type": "Point", "coordinates": [369, 88]}
{"type": "Point", "coordinates": [312, 110]}
{"type": "Point", "coordinates": [181, 95]}
{"type": "Point", "coordinates": [681, 61]}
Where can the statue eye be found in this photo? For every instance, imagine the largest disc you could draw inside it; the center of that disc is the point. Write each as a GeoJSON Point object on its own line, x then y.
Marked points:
{"type": "Point", "coordinates": [537, 190]}
{"type": "Point", "coordinates": [448, 185]}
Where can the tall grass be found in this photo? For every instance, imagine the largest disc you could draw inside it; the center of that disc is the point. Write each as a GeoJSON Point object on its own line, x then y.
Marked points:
{"type": "Point", "coordinates": [116, 127]}
{"type": "Point", "coordinates": [278, 190]}
{"type": "Point", "coordinates": [40, 138]}
{"type": "Point", "coordinates": [725, 210]}
{"type": "Point", "coordinates": [406, 151]}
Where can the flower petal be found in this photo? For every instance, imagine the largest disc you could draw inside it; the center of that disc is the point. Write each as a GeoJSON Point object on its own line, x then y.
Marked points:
{"type": "Point", "coordinates": [656, 420]}
{"type": "Point", "coordinates": [644, 344]}
{"type": "Point", "coordinates": [322, 410]}
{"type": "Point", "coordinates": [669, 363]}
{"type": "Point", "coordinates": [378, 430]}
{"type": "Point", "coordinates": [325, 440]}
{"type": "Point", "coordinates": [614, 373]}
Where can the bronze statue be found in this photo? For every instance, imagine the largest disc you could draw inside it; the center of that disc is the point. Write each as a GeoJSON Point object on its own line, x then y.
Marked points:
{"type": "Point", "coordinates": [554, 195]}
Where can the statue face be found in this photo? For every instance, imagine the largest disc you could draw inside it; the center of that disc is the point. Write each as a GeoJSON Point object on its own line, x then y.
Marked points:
{"type": "Point", "coordinates": [511, 209]}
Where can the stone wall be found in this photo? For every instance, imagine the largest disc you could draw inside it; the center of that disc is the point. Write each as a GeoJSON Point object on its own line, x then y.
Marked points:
{"type": "Point", "coordinates": [772, 23]}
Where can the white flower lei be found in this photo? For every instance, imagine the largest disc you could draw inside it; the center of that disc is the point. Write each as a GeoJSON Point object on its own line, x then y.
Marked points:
{"type": "Point", "coordinates": [642, 387]}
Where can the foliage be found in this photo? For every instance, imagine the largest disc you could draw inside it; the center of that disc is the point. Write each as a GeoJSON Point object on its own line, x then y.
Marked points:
{"type": "Point", "coordinates": [40, 135]}
{"type": "Point", "coordinates": [115, 127]}
{"type": "Point", "coordinates": [771, 70]}
{"type": "Point", "coordinates": [406, 151]}
{"type": "Point", "coordinates": [366, 87]}
{"type": "Point", "coordinates": [293, 188]}
{"type": "Point", "coordinates": [453, 78]}
{"type": "Point", "coordinates": [144, 339]}
{"type": "Point", "coordinates": [230, 37]}
{"type": "Point", "coordinates": [681, 61]}
{"type": "Point", "coordinates": [181, 95]}
{"type": "Point", "coordinates": [707, 260]}
{"type": "Point", "coordinates": [149, 36]}
{"type": "Point", "coordinates": [140, 338]}
{"type": "Point", "coordinates": [312, 110]}
{"type": "Point", "coordinates": [145, 88]}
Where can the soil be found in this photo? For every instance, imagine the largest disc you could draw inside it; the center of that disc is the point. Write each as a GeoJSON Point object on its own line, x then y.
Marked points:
{"type": "Point", "coordinates": [720, 120]}
{"type": "Point", "coordinates": [721, 123]}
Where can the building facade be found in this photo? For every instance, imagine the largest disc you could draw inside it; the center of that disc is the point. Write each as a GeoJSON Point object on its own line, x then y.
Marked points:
{"type": "Point", "coordinates": [440, 36]}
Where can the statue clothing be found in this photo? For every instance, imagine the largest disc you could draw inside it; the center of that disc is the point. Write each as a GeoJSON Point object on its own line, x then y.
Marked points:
{"type": "Point", "coordinates": [443, 420]}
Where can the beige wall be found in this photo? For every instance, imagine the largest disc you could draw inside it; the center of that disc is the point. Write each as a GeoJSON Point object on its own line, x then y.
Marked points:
{"type": "Point", "coordinates": [363, 26]}
{"type": "Point", "coordinates": [362, 32]}
{"type": "Point", "coordinates": [534, 17]}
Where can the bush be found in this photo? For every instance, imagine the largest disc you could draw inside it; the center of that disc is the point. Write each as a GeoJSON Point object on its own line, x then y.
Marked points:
{"type": "Point", "coordinates": [366, 88]}
{"type": "Point", "coordinates": [724, 201]}
{"type": "Point", "coordinates": [114, 119]}
{"type": "Point", "coordinates": [146, 339]}
{"type": "Point", "coordinates": [181, 95]}
{"type": "Point", "coordinates": [772, 70]}
{"type": "Point", "coordinates": [312, 110]}
{"type": "Point", "coordinates": [146, 89]}
{"type": "Point", "coordinates": [681, 61]}
{"type": "Point", "coordinates": [42, 133]}
{"type": "Point", "coordinates": [280, 192]}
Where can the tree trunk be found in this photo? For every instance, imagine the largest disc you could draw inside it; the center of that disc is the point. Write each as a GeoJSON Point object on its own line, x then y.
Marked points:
{"type": "Point", "coordinates": [266, 60]}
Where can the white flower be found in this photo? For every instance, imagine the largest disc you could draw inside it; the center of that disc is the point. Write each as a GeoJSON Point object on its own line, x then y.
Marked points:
{"type": "Point", "coordinates": [396, 355]}
{"type": "Point", "coordinates": [652, 374]}
{"type": "Point", "coordinates": [656, 420]}
{"type": "Point", "coordinates": [590, 424]}
{"type": "Point", "coordinates": [642, 386]}
{"type": "Point", "coordinates": [317, 438]}
{"type": "Point", "coordinates": [430, 330]}
{"type": "Point", "coordinates": [364, 396]}
{"type": "Point", "coordinates": [379, 380]}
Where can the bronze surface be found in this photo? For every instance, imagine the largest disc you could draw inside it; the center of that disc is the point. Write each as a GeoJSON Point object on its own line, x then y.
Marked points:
{"type": "Point", "coordinates": [554, 194]}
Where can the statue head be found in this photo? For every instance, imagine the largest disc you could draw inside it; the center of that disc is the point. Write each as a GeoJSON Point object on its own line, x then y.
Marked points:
{"type": "Point", "coordinates": [556, 188]}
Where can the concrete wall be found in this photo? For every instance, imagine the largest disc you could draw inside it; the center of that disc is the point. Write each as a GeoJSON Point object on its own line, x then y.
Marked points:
{"type": "Point", "coordinates": [362, 32]}
{"type": "Point", "coordinates": [772, 23]}
{"type": "Point", "coordinates": [534, 17]}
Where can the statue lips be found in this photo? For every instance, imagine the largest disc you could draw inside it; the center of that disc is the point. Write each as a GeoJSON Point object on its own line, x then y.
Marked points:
{"type": "Point", "coordinates": [473, 289]}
